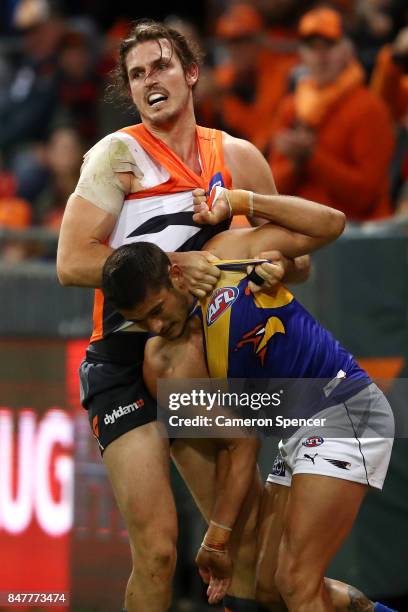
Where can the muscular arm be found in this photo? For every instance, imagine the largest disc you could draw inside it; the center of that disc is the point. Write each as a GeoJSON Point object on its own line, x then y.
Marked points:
{"type": "Point", "coordinates": [235, 471]}
{"type": "Point", "coordinates": [236, 461]}
{"type": "Point", "coordinates": [91, 213]}
{"type": "Point", "coordinates": [81, 249]}
{"type": "Point", "coordinates": [296, 226]}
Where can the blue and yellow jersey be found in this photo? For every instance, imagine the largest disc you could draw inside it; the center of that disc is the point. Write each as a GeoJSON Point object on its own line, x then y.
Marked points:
{"type": "Point", "coordinates": [261, 336]}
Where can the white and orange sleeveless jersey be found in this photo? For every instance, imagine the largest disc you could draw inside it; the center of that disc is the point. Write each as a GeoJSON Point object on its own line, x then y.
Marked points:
{"type": "Point", "coordinates": [162, 212]}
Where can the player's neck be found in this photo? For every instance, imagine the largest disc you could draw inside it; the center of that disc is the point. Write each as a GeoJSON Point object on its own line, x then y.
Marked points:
{"type": "Point", "coordinates": [180, 137]}
{"type": "Point", "coordinates": [193, 326]}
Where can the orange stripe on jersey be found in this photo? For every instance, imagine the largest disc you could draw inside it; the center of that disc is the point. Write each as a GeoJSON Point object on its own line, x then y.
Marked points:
{"type": "Point", "coordinates": [182, 178]}
{"type": "Point", "coordinates": [97, 332]}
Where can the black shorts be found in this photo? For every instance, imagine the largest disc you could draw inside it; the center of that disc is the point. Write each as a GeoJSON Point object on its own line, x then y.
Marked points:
{"type": "Point", "coordinates": [115, 397]}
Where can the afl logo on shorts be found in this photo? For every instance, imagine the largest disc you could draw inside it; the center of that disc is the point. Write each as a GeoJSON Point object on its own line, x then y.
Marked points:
{"type": "Point", "coordinates": [221, 300]}
{"type": "Point", "coordinates": [313, 441]}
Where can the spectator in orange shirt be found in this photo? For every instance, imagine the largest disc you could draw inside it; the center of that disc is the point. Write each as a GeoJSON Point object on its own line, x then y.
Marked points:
{"type": "Point", "coordinates": [255, 78]}
{"type": "Point", "coordinates": [334, 139]}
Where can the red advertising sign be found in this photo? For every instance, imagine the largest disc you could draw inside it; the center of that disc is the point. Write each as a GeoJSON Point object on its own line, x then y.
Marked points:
{"type": "Point", "coordinates": [49, 544]}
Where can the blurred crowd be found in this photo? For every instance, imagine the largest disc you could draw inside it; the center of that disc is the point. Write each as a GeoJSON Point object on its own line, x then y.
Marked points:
{"type": "Point", "coordinates": [321, 88]}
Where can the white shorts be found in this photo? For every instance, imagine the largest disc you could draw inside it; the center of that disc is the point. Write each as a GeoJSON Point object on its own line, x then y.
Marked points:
{"type": "Point", "coordinates": [357, 451]}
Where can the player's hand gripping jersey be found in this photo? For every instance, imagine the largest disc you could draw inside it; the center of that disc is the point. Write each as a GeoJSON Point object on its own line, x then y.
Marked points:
{"type": "Point", "coordinates": [261, 336]}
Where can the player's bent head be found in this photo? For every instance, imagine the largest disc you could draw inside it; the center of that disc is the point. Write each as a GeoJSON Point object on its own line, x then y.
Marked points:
{"type": "Point", "coordinates": [132, 271]}
{"type": "Point", "coordinates": [187, 51]}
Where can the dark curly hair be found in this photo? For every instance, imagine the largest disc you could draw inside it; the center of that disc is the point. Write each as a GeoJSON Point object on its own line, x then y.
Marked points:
{"type": "Point", "coordinates": [143, 30]}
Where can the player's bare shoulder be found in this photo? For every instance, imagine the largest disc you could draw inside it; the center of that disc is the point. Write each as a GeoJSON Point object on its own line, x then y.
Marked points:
{"type": "Point", "coordinates": [155, 356]}
{"type": "Point", "coordinates": [124, 163]}
{"type": "Point", "coordinates": [237, 150]}
{"type": "Point", "coordinates": [154, 363]}
{"type": "Point", "coordinates": [179, 358]}
{"type": "Point", "coordinates": [248, 167]}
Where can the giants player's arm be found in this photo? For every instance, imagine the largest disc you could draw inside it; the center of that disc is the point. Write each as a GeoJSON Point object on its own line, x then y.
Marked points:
{"type": "Point", "coordinates": [250, 170]}
{"type": "Point", "coordinates": [86, 226]}
{"type": "Point", "coordinates": [81, 249]}
{"type": "Point", "coordinates": [92, 211]}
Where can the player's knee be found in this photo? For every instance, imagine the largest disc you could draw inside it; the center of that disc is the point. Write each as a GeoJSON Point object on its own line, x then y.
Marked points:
{"type": "Point", "coordinates": [161, 561]}
{"type": "Point", "coordinates": [155, 559]}
{"type": "Point", "coordinates": [153, 544]}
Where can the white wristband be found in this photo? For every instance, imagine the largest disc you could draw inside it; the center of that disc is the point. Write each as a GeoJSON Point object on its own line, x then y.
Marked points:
{"type": "Point", "coordinates": [228, 202]}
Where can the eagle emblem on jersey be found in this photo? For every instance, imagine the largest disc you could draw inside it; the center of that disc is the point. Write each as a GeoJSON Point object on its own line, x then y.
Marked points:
{"type": "Point", "coordinates": [260, 336]}
{"type": "Point", "coordinates": [222, 299]}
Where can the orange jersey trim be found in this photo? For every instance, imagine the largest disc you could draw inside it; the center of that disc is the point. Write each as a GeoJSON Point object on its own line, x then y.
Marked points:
{"type": "Point", "coordinates": [182, 178]}
{"type": "Point", "coordinates": [97, 333]}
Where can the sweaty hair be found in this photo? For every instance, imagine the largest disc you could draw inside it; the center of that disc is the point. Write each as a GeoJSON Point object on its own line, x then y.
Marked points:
{"type": "Point", "coordinates": [143, 30]}
{"type": "Point", "coordinates": [131, 271]}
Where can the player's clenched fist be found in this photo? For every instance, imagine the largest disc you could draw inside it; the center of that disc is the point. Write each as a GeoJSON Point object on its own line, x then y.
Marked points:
{"type": "Point", "coordinates": [211, 209]}
{"type": "Point", "coordinates": [221, 204]}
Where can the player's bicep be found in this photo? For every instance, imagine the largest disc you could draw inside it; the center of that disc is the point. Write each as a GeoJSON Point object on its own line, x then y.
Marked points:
{"type": "Point", "coordinates": [84, 223]}
{"type": "Point", "coordinates": [84, 227]}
